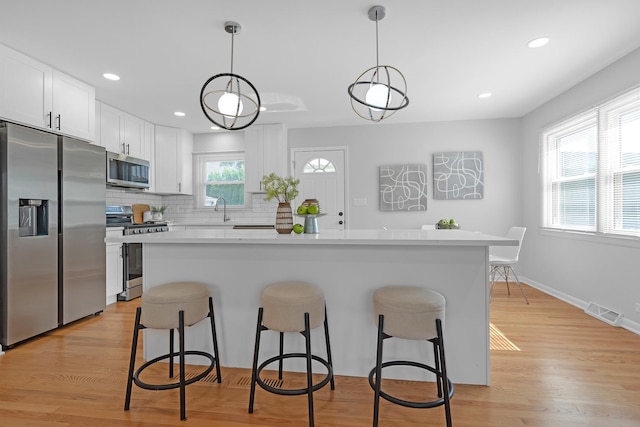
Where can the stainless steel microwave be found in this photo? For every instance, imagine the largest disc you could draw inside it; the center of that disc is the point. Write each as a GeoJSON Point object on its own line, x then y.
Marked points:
{"type": "Point", "coordinates": [127, 171]}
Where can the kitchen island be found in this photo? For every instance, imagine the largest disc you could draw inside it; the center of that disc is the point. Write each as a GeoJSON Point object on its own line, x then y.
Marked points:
{"type": "Point", "coordinates": [349, 266]}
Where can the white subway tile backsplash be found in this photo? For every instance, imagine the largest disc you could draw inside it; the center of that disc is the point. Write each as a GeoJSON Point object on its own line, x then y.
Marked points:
{"type": "Point", "coordinates": [181, 208]}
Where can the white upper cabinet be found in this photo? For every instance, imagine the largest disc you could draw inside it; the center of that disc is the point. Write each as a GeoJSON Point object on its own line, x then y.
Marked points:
{"type": "Point", "coordinates": [149, 153]}
{"type": "Point", "coordinates": [173, 161]}
{"type": "Point", "coordinates": [265, 152]}
{"type": "Point", "coordinates": [120, 132]}
{"type": "Point", "coordinates": [73, 106]}
{"type": "Point", "coordinates": [34, 94]}
{"type": "Point", "coordinates": [25, 89]}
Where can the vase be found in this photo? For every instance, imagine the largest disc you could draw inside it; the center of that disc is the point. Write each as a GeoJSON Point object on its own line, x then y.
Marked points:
{"type": "Point", "coordinates": [284, 218]}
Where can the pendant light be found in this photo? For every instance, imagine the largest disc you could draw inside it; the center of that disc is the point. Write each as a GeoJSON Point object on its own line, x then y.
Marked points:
{"type": "Point", "coordinates": [373, 95]}
{"type": "Point", "coordinates": [229, 100]}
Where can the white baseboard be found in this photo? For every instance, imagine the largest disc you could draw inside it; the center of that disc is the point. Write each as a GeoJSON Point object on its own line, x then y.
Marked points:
{"type": "Point", "coordinates": [626, 323]}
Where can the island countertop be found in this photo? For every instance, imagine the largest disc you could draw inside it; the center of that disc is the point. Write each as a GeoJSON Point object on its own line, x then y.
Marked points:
{"type": "Point", "coordinates": [325, 237]}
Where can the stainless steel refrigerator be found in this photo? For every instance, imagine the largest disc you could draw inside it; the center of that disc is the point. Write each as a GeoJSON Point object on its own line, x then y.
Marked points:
{"type": "Point", "coordinates": [52, 231]}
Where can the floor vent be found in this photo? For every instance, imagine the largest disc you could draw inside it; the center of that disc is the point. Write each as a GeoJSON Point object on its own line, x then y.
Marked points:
{"type": "Point", "coordinates": [606, 315]}
{"type": "Point", "coordinates": [207, 379]}
{"type": "Point", "coordinates": [272, 382]}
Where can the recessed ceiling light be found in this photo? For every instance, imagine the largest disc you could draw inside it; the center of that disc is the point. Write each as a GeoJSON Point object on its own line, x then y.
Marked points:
{"type": "Point", "coordinates": [485, 95]}
{"type": "Point", "coordinates": [179, 114]}
{"type": "Point", "coordinates": [539, 42]}
{"type": "Point", "coordinates": [111, 76]}
{"type": "Point", "coordinates": [215, 128]}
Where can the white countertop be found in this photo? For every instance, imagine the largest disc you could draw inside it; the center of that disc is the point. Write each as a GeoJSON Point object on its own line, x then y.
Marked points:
{"type": "Point", "coordinates": [325, 237]}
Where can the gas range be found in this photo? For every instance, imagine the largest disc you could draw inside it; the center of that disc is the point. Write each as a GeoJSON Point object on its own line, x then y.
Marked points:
{"type": "Point", "coordinates": [122, 216]}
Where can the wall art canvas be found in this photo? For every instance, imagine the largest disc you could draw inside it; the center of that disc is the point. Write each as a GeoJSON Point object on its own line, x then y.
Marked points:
{"type": "Point", "coordinates": [458, 175]}
{"type": "Point", "coordinates": [403, 187]}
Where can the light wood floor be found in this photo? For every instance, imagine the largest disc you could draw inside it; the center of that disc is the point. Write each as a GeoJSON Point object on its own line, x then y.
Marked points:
{"type": "Point", "coordinates": [571, 370]}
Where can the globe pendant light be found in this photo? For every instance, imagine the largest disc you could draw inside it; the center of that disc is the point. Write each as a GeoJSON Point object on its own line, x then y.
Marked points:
{"type": "Point", "coordinates": [373, 96]}
{"type": "Point", "coordinates": [229, 100]}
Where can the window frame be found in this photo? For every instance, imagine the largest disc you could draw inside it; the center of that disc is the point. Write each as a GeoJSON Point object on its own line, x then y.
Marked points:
{"type": "Point", "coordinates": [201, 183]}
{"type": "Point", "coordinates": [607, 207]}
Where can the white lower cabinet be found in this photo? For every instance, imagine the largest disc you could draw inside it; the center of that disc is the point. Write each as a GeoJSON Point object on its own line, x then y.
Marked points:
{"type": "Point", "coordinates": [114, 273]}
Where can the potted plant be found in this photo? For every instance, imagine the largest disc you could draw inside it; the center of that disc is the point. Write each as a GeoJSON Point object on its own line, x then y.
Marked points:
{"type": "Point", "coordinates": [284, 190]}
{"type": "Point", "coordinates": [158, 212]}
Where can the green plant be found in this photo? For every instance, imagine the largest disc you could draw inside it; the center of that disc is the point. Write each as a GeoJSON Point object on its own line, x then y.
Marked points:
{"type": "Point", "coordinates": [283, 189]}
{"type": "Point", "coordinates": [158, 209]}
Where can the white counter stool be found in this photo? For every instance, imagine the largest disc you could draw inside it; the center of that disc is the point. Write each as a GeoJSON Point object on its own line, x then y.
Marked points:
{"type": "Point", "coordinates": [173, 306]}
{"type": "Point", "coordinates": [292, 307]}
{"type": "Point", "coordinates": [412, 313]}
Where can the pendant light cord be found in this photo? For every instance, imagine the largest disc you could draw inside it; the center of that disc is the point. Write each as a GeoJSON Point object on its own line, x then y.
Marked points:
{"type": "Point", "coordinates": [233, 34]}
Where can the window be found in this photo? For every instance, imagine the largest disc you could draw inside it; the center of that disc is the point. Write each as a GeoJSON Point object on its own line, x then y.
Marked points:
{"type": "Point", "coordinates": [220, 176]}
{"type": "Point", "coordinates": [319, 165]}
{"type": "Point", "coordinates": [591, 170]}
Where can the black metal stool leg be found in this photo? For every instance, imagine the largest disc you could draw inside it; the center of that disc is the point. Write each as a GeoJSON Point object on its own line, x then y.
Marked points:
{"type": "Point", "coordinates": [376, 401]}
{"type": "Point", "coordinates": [436, 364]}
{"type": "Point", "coordinates": [132, 361]}
{"type": "Point", "coordinates": [443, 371]}
{"type": "Point", "coordinates": [216, 354]}
{"type": "Point", "coordinates": [183, 409]}
{"type": "Point", "coordinates": [171, 335]}
{"type": "Point", "coordinates": [254, 369]}
{"type": "Point", "coordinates": [280, 362]}
{"type": "Point", "coordinates": [326, 337]}
{"type": "Point", "coordinates": [307, 336]}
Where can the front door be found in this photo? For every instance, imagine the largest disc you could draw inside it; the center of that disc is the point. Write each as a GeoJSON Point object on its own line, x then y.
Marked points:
{"type": "Point", "coordinates": [322, 177]}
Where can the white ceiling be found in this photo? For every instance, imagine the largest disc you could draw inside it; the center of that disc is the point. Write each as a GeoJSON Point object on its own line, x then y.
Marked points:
{"type": "Point", "coordinates": [448, 50]}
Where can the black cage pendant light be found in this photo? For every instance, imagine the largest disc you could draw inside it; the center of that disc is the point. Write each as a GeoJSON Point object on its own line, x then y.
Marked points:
{"type": "Point", "coordinates": [373, 95]}
{"type": "Point", "coordinates": [229, 100]}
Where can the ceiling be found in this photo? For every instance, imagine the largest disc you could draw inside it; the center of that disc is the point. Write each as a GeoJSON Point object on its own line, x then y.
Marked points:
{"type": "Point", "coordinates": [302, 55]}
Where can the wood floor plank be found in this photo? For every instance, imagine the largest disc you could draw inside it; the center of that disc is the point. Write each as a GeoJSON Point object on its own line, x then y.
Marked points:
{"type": "Point", "coordinates": [571, 370]}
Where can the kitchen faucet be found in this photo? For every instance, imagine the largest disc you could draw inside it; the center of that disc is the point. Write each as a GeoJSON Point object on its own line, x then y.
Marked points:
{"type": "Point", "coordinates": [225, 218]}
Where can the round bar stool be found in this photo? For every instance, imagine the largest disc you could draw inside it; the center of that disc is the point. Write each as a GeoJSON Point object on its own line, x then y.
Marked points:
{"type": "Point", "coordinates": [173, 306]}
{"type": "Point", "coordinates": [292, 307]}
{"type": "Point", "coordinates": [412, 313]}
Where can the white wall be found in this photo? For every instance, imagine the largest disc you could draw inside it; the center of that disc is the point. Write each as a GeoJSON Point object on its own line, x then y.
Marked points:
{"type": "Point", "coordinates": [373, 145]}
{"type": "Point", "coordinates": [584, 268]}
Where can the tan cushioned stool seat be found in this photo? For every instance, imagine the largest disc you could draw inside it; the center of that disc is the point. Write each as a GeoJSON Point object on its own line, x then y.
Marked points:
{"type": "Point", "coordinates": [161, 304]}
{"type": "Point", "coordinates": [409, 311]}
{"type": "Point", "coordinates": [284, 305]}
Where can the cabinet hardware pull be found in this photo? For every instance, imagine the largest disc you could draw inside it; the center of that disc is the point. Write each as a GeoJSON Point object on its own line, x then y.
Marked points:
{"type": "Point", "coordinates": [123, 152]}
{"type": "Point", "coordinates": [49, 116]}
{"type": "Point", "coordinates": [59, 122]}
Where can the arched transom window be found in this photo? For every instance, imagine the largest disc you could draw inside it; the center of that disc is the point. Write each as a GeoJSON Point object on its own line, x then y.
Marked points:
{"type": "Point", "coordinates": [319, 166]}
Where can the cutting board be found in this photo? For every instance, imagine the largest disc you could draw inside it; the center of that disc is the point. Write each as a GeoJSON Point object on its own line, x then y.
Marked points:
{"type": "Point", "coordinates": [138, 210]}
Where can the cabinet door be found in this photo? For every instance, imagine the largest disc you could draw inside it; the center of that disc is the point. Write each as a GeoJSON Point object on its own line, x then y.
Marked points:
{"type": "Point", "coordinates": [114, 273]}
{"type": "Point", "coordinates": [185, 185]}
{"type": "Point", "coordinates": [110, 128]}
{"type": "Point", "coordinates": [133, 135]}
{"type": "Point", "coordinates": [73, 107]}
{"type": "Point", "coordinates": [265, 152]}
{"type": "Point", "coordinates": [149, 148]}
{"type": "Point", "coordinates": [25, 89]}
{"type": "Point", "coordinates": [166, 168]}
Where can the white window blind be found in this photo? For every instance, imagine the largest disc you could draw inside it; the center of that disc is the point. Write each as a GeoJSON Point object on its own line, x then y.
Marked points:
{"type": "Point", "coordinates": [570, 174]}
{"type": "Point", "coordinates": [620, 165]}
{"type": "Point", "coordinates": [591, 170]}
